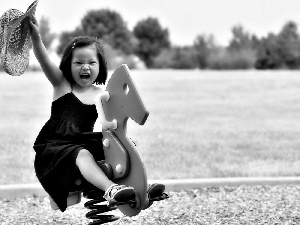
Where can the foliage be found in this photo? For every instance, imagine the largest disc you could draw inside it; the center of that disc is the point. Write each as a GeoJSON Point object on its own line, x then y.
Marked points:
{"type": "Point", "coordinates": [247, 51]}
{"type": "Point", "coordinates": [224, 59]}
{"type": "Point", "coordinates": [240, 53]}
{"type": "Point", "coordinates": [289, 45]}
{"type": "Point", "coordinates": [66, 37]}
{"type": "Point", "coordinates": [280, 51]}
{"type": "Point", "coordinates": [205, 54]}
{"type": "Point", "coordinates": [164, 59]}
{"type": "Point", "coordinates": [176, 58]}
{"type": "Point", "coordinates": [184, 58]}
{"type": "Point", "coordinates": [105, 24]}
{"type": "Point", "coordinates": [109, 26]}
{"type": "Point", "coordinates": [268, 55]}
{"type": "Point", "coordinates": [46, 35]}
{"type": "Point", "coordinates": [152, 38]}
{"type": "Point", "coordinates": [150, 42]}
{"type": "Point", "coordinates": [203, 46]}
{"type": "Point", "coordinates": [241, 39]}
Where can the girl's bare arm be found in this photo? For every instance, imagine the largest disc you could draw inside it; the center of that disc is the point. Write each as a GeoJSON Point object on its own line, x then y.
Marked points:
{"type": "Point", "coordinates": [52, 72]}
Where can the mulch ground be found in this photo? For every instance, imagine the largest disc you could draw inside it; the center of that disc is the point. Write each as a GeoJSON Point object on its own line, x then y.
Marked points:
{"type": "Point", "coordinates": [214, 205]}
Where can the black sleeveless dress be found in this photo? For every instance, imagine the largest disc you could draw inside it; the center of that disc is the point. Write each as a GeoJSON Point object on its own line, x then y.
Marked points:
{"type": "Point", "coordinates": [69, 129]}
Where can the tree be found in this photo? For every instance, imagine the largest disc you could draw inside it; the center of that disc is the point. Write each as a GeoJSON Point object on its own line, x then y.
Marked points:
{"type": "Point", "coordinates": [109, 26]}
{"type": "Point", "coordinates": [176, 58]}
{"type": "Point", "coordinates": [280, 51]}
{"type": "Point", "coordinates": [268, 56]}
{"type": "Point", "coordinates": [152, 38]}
{"type": "Point", "coordinates": [221, 58]}
{"type": "Point", "coordinates": [289, 45]}
{"type": "Point", "coordinates": [105, 24]}
{"type": "Point", "coordinates": [184, 58]}
{"type": "Point", "coordinates": [203, 46]}
{"type": "Point", "coordinates": [241, 39]}
{"type": "Point", "coordinates": [66, 37]}
{"type": "Point", "coordinates": [46, 35]}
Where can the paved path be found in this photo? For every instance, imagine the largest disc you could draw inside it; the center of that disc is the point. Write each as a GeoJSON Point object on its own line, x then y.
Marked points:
{"type": "Point", "coordinates": [19, 190]}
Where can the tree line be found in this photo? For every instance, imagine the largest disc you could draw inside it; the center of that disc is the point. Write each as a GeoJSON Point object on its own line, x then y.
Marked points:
{"type": "Point", "coordinates": [151, 43]}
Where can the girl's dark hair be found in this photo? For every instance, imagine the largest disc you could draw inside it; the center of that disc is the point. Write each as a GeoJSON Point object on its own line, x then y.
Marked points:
{"type": "Point", "coordinates": [83, 41]}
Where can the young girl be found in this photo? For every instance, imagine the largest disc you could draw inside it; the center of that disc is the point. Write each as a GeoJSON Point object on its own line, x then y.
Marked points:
{"type": "Point", "coordinates": [66, 142]}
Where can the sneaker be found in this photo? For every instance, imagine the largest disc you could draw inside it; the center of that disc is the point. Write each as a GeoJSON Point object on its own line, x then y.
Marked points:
{"type": "Point", "coordinates": [117, 193]}
{"type": "Point", "coordinates": [155, 190]}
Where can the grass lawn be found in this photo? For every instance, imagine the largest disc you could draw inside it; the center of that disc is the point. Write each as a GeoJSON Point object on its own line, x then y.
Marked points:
{"type": "Point", "coordinates": [201, 123]}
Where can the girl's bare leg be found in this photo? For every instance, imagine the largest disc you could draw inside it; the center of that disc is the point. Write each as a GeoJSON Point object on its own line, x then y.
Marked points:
{"type": "Point", "coordinates": [91, 171]}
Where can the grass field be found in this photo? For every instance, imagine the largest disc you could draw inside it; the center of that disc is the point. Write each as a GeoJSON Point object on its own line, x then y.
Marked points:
{"type": "Point", "coordinates": [201, 123]}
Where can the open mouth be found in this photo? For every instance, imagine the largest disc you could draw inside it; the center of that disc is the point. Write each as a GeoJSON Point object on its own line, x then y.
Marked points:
{"type": "Point", "coordinates": [84, 76]}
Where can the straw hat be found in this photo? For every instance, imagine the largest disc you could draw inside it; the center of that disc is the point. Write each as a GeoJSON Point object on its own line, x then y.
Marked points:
{"type": "Point", "coordinates": [15, 39]}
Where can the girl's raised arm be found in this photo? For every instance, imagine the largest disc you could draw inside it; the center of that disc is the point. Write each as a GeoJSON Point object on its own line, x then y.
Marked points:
{"type": "Point", "coordinates": [52, 72]}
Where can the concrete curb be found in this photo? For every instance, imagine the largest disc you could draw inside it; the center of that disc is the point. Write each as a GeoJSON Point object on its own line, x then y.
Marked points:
{"type": "Point", "coordinates": [178, 185]}
{"type": "Point", "coordinates": [20, 190]}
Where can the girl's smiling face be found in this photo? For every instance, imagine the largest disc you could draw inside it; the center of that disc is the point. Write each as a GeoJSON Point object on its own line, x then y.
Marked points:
{"type": "Point", "coordinates": [85, 66]}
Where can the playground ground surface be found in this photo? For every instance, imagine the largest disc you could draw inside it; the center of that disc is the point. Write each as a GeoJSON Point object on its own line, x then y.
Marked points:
{"type": "Point", "coordinates": [250, 204]}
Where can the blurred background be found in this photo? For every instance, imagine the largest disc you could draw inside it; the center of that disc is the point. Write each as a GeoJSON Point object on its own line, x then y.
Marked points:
{"type": "Point", "coordinates": [203, 34]}
{"type": "Point", "coordinates": [219, 77]}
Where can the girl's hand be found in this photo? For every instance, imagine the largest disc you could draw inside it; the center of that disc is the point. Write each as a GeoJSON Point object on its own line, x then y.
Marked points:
{"type": "Point", "coordinates": [33, 29]}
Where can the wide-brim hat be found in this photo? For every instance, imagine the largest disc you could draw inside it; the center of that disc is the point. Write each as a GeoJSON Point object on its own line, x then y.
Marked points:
{"type": "Point", "coordinates": [15, 40]}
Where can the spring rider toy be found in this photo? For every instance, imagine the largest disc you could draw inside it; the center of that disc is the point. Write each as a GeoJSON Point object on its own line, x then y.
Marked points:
{"type": "Point", "coordinates": [122, 162]}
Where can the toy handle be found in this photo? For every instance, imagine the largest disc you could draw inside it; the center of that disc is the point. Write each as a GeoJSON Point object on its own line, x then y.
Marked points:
{"type": "Point", "coordinates": [109, 125]}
